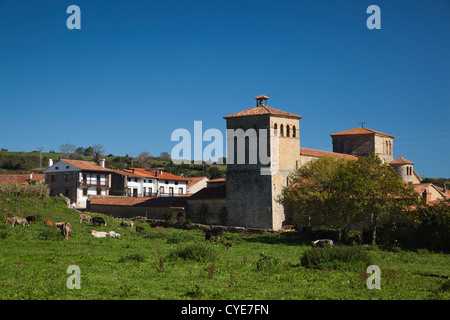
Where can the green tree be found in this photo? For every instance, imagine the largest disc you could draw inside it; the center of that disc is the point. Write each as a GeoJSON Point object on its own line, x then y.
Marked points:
{"type": "Point", "coordinates": [337, 193]}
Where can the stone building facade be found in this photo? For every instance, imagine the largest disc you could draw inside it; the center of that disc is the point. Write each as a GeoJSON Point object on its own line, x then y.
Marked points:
{"type": "Point", "coordinates": [363, 141]}
{"type": "Point", "coordinates": [263, 146]}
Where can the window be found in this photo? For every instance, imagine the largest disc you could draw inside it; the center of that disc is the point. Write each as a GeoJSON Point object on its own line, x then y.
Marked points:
{"type": "Point", "coordinates": [99, 191]}
{"type": "Point", "coordinates": [150, 191]}
{"type": "Point", "coordinates": [52, 178]}
{"type": "Point", "coordinates": [293, 132]}
{"type": "Point", "coordinates": [161, 190]}
{"type": "Point", "coordinates": [176, 183]}
{"type": "Point", "coordinates": [281, 131]}
{"type": "Point", "coordinates": [167, 182]}
{"type": "Point", "coordinates": [275, 129]}
{"type": "Point", "coordinates": [66, 177]}
{"type": "Point", "coordinates": [180, 190]}
{"type": "Point", "coordinates": [56, 168]}
{"type": "Point", "coordinates": [67, 167]}
{"type": "Point", "coordinates": [85, 192]}
{"type": "Point", "coordinates": [287, 131]}
{"type": "Point", "coordinates": [171, 191]}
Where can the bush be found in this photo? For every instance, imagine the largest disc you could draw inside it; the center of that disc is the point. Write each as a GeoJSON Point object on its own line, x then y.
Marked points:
{"type": "Point", "coordinates": [179, 237]}
{"type": "Point", "coordinates": [337, 257]}
{"type": "Point", "coordinates": [266, 263]}
{"type": "Point", "coordinates": [194, 252]}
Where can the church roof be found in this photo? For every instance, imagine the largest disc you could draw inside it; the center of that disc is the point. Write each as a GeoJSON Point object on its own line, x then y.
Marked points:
{"type": "Point", "coordinates": [400, 161]}
{"type": "Point", "coordinates": [263, 110]}
{"type": "Point", "coordinates": [320, 153]}
{"type": "Point", "coordinates": [360, 130]}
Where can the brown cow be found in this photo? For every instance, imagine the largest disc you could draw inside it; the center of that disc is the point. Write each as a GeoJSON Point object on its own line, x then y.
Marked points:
{"type": "Point", "coordinates": [48, 223]}
{"type": "Point", "coordinates": [139, 229]}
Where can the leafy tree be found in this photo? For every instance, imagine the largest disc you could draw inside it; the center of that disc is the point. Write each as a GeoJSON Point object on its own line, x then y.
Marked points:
{"type": "Point", "coordinates": [338, 193]}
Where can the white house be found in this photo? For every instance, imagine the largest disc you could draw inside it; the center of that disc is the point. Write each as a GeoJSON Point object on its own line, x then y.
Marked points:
{"type": "Point", "coordinates": [77, 180]}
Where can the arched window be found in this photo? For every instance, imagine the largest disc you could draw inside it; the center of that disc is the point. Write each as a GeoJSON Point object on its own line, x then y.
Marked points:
{"type": "Point", "coordinates": [294, 134]}
{"type": "Point", "coordinates": [281, 131]}
{"type": "Point", "coordinates": [287, 131]}
{"type": "Point", "coordinates": [275, 129]}
{"type": "Point", "coordinates": [390, 147]}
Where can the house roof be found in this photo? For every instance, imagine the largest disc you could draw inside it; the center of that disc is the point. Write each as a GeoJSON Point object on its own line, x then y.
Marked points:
{"type": "Point", "coordinates": [263, 110]}
{"type": "Point", "coordinates": [21, 179]}
{"type": "Point", "coordinates": [360, 130]}
{"type": "Point", "coordinates": [163, 175]}
{"type": "Point", "coordinates": [158, 202]}
{"type": "Point", "coordinates": [85, 165]}
{"type": "Point", "coordinates": [400, 161]}
{"type": "Point", "coordinates": [320, 153]}
{"type": "Point", "coordinates": [194, 180]}
{"type": "Point", "coordinates": [217, 180]}
{"type": "Point", "coordinates": [210, 193]}
{"type": "Point", "coordinates": [136, 174]}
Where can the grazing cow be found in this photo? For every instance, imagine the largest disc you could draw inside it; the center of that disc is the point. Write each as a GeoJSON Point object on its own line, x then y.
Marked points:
{"type": "Point", "coordinates": [322, 243]}
{"type": "Point", "coordinates": [98, 234]}
{"type": "Point", "coordinates": [58, 224]}
{"type": "Point", "coordinates": [228, 244]}
{"type": "Point", "coordinates": [19, 220]}
{"type": "Point", "coordinates": [48, 223]}
{"type": "Point", "coordinates": [31, 219]}
{"type": "Point", "coordinates": [126, 224]}
{"type": "Point", "coordinates": [139, 229]}
{"type": "Point", "coordinates": [65, 228]}
{"type": "Point", "coordinates": [213, 233]}
{"type": "Point", "coordinates": [85, 217]}
{"type": "Point", "coordinates": [113, 234]}
{"type": "Point", "coordinates": [8, 220]}
{"type": "Point", "coordinates": [98, 220]}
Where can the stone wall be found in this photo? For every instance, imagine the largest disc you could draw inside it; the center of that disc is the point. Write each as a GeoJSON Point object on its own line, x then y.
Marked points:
{"type": "Point", "coordinates": [207, 211]}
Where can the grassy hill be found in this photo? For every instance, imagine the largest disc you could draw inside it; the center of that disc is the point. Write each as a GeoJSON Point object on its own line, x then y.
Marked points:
{"type": "Point", "coordinates": [178, 264]}
{"type": "Point", "coordinates": [26, 162]}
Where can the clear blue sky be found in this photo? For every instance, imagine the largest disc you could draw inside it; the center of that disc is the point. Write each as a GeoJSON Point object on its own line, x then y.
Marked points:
{"type": "Point", "coordinates": [137, 70]}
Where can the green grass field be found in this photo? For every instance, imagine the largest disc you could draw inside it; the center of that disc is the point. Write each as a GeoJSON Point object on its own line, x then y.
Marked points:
{"type": "Point", "coordinates": [155, 264]}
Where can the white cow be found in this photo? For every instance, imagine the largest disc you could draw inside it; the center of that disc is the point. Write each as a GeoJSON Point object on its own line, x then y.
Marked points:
{"type": "Point", "coordinates": [99, 234]}
{"type": "Point", "coordinates": [113, 234]}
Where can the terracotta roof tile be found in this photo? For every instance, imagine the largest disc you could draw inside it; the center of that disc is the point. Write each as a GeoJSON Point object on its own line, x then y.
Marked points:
{"type": "Point", "coordinates": [159, 202]}
{"type": "Point", "coordinates": [163, 175]}
{"type": "Point", "coordinates": [320, 153]}
{"type": "Point", "coordinates": [195, 180]}
{"type": "Point", "coordinates": [360, 130]}
{"type": "Point", "coordinates": [86, 165]}
{"type": "Point", "coordinates": [400, 161]}
{"type": "Point", "coordinates": [263, 110]}
{"type": "Point", "coordinates": [21, 178]}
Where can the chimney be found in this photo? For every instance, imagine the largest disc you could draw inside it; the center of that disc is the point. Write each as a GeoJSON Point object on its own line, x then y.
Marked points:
{"type": "Point", "coordinates": [102, 163]}
{"type": "Point", "coordinates": [31, 176]}
{"type": "Point", "coordinates": [50, 162]}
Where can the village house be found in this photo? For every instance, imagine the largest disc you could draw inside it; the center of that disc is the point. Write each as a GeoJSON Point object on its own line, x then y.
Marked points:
{"type": "Point", "coordinates": [153, 182]}
{"type": "Point", "coordinates": [77, 180]}
{"type": "Point", "coordinates": [196, 184]}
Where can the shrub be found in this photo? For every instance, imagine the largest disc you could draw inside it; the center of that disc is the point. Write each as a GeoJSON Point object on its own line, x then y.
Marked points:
{"type": "Point", "coordinates": [179, 237]}
{"type": "Point", "coordinates": [336, 257]}
{"type": "Point", "coordinates": [194, 252]}
{"type": "Point", "coordinates": [266, 262]}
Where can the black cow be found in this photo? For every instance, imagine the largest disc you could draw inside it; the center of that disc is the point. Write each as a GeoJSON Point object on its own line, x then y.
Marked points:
{"type": "Point", "coordinates": [213, 233]}
{"type": "Point", "coordinates": [31, 219]}
{"type": "Point", "coordinates": [98, 220]}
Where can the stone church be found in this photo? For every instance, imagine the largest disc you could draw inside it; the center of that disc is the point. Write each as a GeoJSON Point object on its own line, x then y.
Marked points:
{"type": "Point", "coordinates": [251, 192]}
